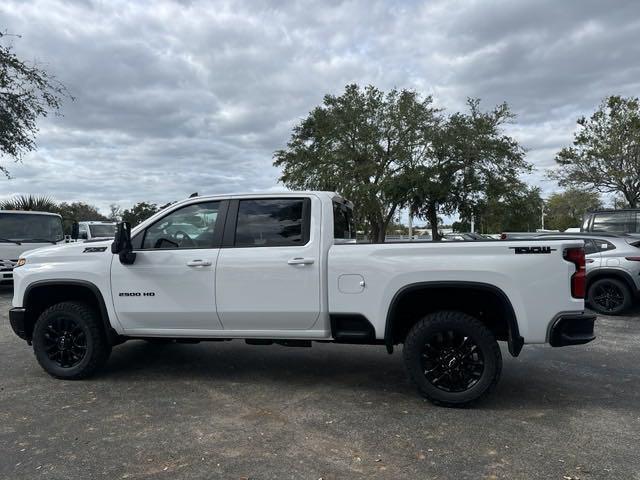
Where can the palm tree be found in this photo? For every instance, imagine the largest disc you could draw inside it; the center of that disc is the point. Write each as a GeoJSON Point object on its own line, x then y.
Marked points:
{"type": "Point", "coordinates": [30, 203]}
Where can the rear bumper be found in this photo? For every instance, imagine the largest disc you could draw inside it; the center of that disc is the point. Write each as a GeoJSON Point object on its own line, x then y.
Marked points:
{"type": "Point", "coordinates": [572, 329]}
{"type": "Point", "coordinates": [18, 323]}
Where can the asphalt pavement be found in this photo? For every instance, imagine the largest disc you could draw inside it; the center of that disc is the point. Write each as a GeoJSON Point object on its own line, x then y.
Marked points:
{"type": "Point", "coordinates": [234, 411]}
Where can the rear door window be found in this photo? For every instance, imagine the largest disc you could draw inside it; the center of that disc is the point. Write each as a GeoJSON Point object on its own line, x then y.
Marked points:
{"type": "Point", "coordinates": [273, 222]}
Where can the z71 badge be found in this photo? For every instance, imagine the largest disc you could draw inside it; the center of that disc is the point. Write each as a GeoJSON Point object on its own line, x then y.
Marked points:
{"type": "Point", "coordinates": [532, 250]}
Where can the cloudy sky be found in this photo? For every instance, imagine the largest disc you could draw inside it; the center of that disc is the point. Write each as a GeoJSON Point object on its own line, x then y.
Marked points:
{"type": "Point", "coordinates": [174, 97]}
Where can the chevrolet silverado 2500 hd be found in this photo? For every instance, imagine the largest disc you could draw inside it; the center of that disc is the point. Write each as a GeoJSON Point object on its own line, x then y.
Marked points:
{"type": "Point", "coordinates": [285, 268]}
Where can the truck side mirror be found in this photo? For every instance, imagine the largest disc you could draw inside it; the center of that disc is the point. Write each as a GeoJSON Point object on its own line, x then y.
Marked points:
{"type": "Point", "coordinates": [75, 230]}
{"type": "Point", "coordinates": [122, 244]}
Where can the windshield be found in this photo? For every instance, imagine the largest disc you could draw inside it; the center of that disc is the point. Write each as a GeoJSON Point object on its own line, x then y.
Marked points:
{"type": "Point", "coordinates": [105, 230]}
{"type": "Point", "coordinates": [29, 227]}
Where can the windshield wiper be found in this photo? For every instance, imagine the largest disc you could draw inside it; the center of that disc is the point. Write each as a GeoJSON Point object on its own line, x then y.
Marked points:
{"type": "Point", "coordinates": [38, 240]}
{"type": "Point", "coordinates": [6, 240]}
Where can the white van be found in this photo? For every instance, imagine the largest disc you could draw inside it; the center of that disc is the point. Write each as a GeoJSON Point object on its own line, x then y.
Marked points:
{"type": "Point", "coordinates": [21, 231]}
{"type": "Point", "coordinates": [91, 230]}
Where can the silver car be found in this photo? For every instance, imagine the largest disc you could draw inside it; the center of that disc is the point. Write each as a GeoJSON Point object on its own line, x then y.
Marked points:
{"type": "Point", "coordinates": [613, 269]}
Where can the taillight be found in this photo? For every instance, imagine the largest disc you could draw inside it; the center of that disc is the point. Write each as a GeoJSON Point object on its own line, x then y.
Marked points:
{"type": "Point", "coordinates": [503, 236]}
{"type": "Point", "coordinates": [633, 259]}
{"type": "Point", "coordinates": [578, 279]}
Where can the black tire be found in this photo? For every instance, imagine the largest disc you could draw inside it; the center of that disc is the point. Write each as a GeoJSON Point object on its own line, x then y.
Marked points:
{"type": "Point", "coordinates": [609, 296]}
{"type": "Point", "coordinates": [453, 358]}
{"type": "Point", "coordinates": [69, 341]}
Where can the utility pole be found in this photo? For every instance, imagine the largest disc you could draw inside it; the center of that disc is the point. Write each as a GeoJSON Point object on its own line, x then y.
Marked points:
{"type": "Point", "coordinates": [410, 226]}
{"type": "Point", "coordinates": [473, 224]}
{"type": "Point", "coordinates": [542, 214]}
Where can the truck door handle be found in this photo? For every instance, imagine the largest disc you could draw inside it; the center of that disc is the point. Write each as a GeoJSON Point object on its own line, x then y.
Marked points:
{"type": "Point", "coordinates": [300, 261]}
{"type": "Point", "coordinates": [199, 263]}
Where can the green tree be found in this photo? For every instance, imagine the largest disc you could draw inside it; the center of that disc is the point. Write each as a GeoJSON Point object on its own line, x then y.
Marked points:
{"type": "Point", "coordinates": [361, 144]}
{"type": "Point", "coordinates": [27, 93]}
{"type": "Point", "coordinates": [565, 209]}
{"type": "Point", "coordinates": [139, 213]}
{"type": "Point", "coordinates": [469, 158]}
{"type": "Point", "coordinates": [78, 212]}
{"type": "Point", "coordinates": [605, 156]}
{"type": "Point", "coordinates": [30, 203]}
{"type": "Point", "coordinates": [517, 208]}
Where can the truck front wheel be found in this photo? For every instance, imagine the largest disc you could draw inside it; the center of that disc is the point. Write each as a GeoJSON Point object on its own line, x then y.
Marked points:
{"type": "Point", "coordinates": [453, 358]}
{"type": "Point", "coordinates": [69, 342]}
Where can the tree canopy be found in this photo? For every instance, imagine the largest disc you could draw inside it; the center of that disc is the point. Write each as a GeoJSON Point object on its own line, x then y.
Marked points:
{"type": "Point", "coordinates": [605, 156]}
{"type": "Point", "coordinates": [361, 144]}
{"type": "Point", "coordinates": [30, 203]}
{"type": "Point", "coordinates": [469, 159]}
{"type": "Point", "coordinates": [566, 209]}
{"type": "Point", "coordinates": [27, 92]}
{"type": "Point", "coordinates": [78, 212]}
{"type": "Point", "coordinates": [388, 151]}
{"type": "Point", "coordinates": [139, 213]}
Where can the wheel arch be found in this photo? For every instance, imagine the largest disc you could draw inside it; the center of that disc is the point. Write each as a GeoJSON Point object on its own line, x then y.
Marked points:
{"type": "Point", "coordinates": [43, 293]}
{"type": "Point", "coordinates": [483, 295]}
{"type": "Point", "coordinates": [612, 273]}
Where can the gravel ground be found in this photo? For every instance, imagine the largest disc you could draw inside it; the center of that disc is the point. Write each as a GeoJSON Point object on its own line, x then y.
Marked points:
{"type": "Point", "coordinates": [230, 410]}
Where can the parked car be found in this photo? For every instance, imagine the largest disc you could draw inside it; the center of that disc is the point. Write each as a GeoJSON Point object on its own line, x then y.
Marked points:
{"type": "Point", "coordinates": [615, 221]}
{"type": "Point", "coordinates": [21, 231]}
{"type": "Point", "coordinates": [464, 237]}
{"type": "Point", "coordinates": [282, 268]}
{"type": "Point", "coordinates": [613, 269]}
{"type": "Point", "coordinates": [524, 235]}
{"type": "Point", "coordinates": [91, 230]}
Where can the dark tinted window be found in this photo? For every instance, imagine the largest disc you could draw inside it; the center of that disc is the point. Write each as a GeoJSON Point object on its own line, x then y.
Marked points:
{"type": "Point", "coordinates": [98, 230]}
{"type": "Point", "coordinates": [273, 222]}
{"type": "Point", "coordinates": [343, 228]}
{"type": "Point", "coordinates": [614, 222]}
{"type": "Point", "coordinates": [604, 246]}
{"type": "Point", "coordinates": [192, 226]}
{"type": "Point", "coordinates": [590, 247]}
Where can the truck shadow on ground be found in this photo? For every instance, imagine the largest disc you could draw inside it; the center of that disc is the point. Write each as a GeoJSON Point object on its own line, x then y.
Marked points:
{"type": "Point", "coordinates": [542, 378]}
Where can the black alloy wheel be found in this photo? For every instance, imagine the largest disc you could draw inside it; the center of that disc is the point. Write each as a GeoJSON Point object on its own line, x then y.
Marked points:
{"type": "Point", "coordinates": [609, 296]}
{"type": "Point", "coordinates": [65, 342]}
{"type": "Point", "coordinates": [452, 361]}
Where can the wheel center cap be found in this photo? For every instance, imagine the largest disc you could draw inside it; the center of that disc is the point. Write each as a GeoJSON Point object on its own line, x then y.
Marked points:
{"type": "Point", "coordinates": [63, 343]}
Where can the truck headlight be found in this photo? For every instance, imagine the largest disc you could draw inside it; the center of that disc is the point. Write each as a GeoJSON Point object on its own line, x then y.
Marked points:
{"type": "Point", "coordinates": [20, 262]}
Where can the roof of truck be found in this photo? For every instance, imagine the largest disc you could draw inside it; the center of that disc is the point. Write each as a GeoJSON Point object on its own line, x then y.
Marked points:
{"type": "Point", "coordinates": [30, 212]}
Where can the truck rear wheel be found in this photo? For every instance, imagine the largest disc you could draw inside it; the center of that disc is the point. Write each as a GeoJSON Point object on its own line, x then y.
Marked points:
{"type": "Point", "coordinates": [453, 358]}
{"type": "Point", "coordinates": [69, 342]}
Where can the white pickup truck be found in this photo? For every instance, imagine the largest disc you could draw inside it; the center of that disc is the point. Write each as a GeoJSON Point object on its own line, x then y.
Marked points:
{"type": "Point", "coordinates": [285, 268]}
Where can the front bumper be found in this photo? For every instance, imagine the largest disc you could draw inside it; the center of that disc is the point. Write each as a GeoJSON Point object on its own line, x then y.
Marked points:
{"type": "Point", "coordinates": [572, 329]}
{"type": "Point", "coordinates": [18, 323]}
